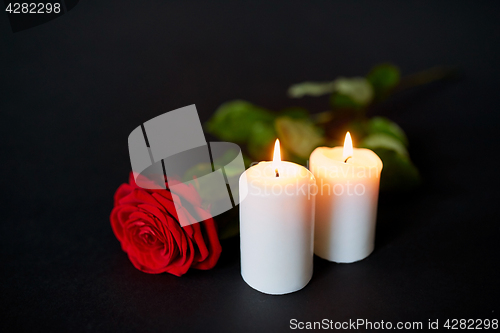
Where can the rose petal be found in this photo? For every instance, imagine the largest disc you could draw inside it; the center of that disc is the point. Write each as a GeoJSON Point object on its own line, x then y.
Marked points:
{"type": "Point", "coordinates": [213, 243]}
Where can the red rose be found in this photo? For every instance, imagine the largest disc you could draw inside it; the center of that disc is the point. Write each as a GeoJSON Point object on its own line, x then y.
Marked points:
{"type": "Point", "coordinates": [146, 224]}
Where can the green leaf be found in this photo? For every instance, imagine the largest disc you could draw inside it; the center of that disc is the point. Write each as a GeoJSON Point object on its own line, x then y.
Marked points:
{"type": "Point", "coordinates": [383, 78]}
{"type": "Point", "coordinates": [323, 117]}
{"type": "Point", "coordinates": [311, 88]}
{"type": "Point", "coordinates": [398, 173]}
{"type": "Point", "coordinates": [233, 121]}
{"type": "Point", "coordinates": [224, 162]}
{"type": "Point", "coordinates": [247, 160]}
{"type": "Point", "coordinates": [341, 101]}
{"type": "Point", "coordinates": [354, 92]}
{"type": "Point", "coordinates": [203, 185]}
{"type": "Point", "coordinates": [386, 126]}
{"type": "Point", "coordinates": [347, 92]}
{"type": "Point", "coordinates": [195, 171]}
{"type": "Point", "coordinates": [295, 112]}
{"type": "Point", "coordinates": [382, 140]}
{"type": "Point", "coordinates": [205, 168]}
{"type": "Point", "coordinates": [261, 140]}
{"type": "Point", "coordinates": [300, 137]}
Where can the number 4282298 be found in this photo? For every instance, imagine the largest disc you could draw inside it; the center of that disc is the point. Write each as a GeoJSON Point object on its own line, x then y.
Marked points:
{"type": "Point", "coordinates": [33, 8]}
{"type": "Point", "coordinates": [478, 324]}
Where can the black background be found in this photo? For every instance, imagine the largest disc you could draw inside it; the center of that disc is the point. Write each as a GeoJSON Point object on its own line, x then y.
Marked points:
{"type": "Point", "coordinates": [74, 88]}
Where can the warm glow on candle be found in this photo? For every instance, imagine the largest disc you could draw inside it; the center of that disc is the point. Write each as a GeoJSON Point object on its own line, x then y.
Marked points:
{"type": "Point", "coordinates": [276, 157]}
{"type": "Point", "coordinates": [347, 153]}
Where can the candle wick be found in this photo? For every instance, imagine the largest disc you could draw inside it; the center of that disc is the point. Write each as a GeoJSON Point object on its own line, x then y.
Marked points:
{"type": "Point", "coordinates": [347, 159]}
{"type": "Point", "coordinates": [277, 173]}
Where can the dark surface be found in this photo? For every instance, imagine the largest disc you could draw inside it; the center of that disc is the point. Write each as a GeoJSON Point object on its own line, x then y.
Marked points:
{"type": "Point", "coordinates": [72, 90]}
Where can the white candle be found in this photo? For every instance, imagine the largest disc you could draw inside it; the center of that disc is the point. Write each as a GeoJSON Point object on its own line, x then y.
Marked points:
{"type": "Point", "coordinates": [346, 205]}
{"type": "Point", "coordinates": [277, 226]}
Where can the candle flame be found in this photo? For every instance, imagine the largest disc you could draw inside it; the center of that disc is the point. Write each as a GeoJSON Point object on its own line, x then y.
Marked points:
{"type": "Point", "coordinates": [347, 152]}
{"type": "Point", "coordinates": [277, 156]}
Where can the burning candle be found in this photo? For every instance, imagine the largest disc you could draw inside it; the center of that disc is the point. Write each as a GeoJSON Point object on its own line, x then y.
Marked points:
{"type": "Point", "coordinates": [346, 205]}
{"type": "Point", "coordinates": [277, 225]}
